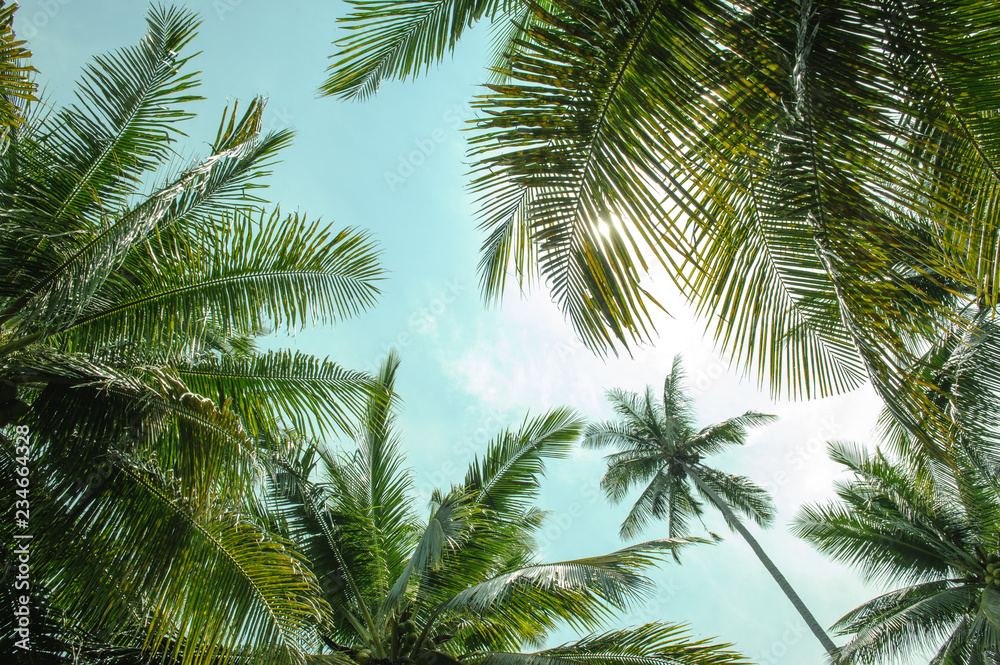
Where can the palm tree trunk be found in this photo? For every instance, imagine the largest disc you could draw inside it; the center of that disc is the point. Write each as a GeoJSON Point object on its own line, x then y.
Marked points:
{"type": "Point", "coordinates": [804, 612]}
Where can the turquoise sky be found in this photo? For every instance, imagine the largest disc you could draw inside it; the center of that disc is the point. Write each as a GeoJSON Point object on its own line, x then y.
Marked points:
{"type": "Point", "coordinates": [396, 165]}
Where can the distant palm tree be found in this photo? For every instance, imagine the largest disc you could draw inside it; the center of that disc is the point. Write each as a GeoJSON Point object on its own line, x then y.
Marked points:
{"type": "Point", "coordinates": [936, 538]}
{"type": "Point", "coordinates": [133, 283]}
{"type": "Point", "coordinates": [659, 446]}
{"type": "Point", "coordinates": [464, 586]}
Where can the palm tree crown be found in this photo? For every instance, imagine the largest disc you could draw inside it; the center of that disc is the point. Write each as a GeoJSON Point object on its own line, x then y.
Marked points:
{"type": "Point", "coordinates": [658, 444]}
{"type": "Point", "coordinates": [133, 284]}
{"type": "Point", "coordinates": [934, 538]}
{"type": "Point", "coordinates": [463, 585]}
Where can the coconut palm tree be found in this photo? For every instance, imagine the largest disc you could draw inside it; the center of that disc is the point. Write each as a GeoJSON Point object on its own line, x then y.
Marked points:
{"type": "Point", "coordinates": [815, 176]}
{"type": "Point", "coordinates": [658, 445]}
{"type": "Point", "coordinates": [462, 585]}
{"type": "Point", "coordinates": [933, 538]}
{"type": "Point", "coordinates": [133, 283]}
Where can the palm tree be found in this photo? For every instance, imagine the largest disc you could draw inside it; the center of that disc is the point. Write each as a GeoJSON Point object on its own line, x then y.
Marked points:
{"type": "Point", "coordinates": [464, 585]}
{"type": "Point", "coordinates": [658, 445]}
{"type": "Point", "coordinates": [133, 284]}
{"type": "Point", "coordinates": [935, 539]}
{"type": "Point", "coordinates": [817, 177]}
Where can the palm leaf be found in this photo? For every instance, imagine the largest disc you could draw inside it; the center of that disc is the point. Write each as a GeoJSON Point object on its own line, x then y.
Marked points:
{"type": "Point", "coordinates": [396, 40]}
{"type": "Point", "coordinates": [651, 644]}
{"type": "Point", "coordinates": [16, 85]}
{"type": "Point", "coordinates": [507, 478]}
{"type": "Point", "coordinates": [256, 272]}
{"type": "Point", "coordinates": [130, 104]}
{"type": "Point", "coordinates": [283, 389]}
{"type": "Point", "coordinates": [613, 579]}
{"type": "Point", "coordinates": [227, 581]}
{"type": "Point", "coordinates": [444, 531]}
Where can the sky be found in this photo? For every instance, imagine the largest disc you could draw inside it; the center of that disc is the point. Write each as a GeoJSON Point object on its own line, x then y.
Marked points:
{"type": "Point", "coordinates": [396, 165]}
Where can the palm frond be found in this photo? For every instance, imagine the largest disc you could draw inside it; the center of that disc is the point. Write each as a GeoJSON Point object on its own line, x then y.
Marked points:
{"type": "Point", "coordinates": [256, 272]}
{"type": "Point", "coordinates": [397, 40]}
{"type": "Point", "coordinates": [130, 105]}
{"type": "Point", "coordinates": [443, 532]}
{"type": "Point", "coordinates": [574, 205]}
{"type": "Point", "coordinates": [283, 389]}
{"type": "Point", "coordinates": [888, 524]}
{"type": "Point", "coordinates": [506, 480]}
{"type": "Point", "coordinates": [301, 509]}
{"type": "Point", "coordinates": [905, 621]}
{"type": "Point", "coordinates": [650, 644]}
{"type": "Point", "coordinates": [379, 487]}
{"type": "Point", "coordinates": [718, 437]}
{"type": "Point", "coordinates": [613, 579]}
{"type": "Point", "coordinates": [230, 585]}
{"type": "Point", "coordinates": [16, 86]}
{"type": "Point", "coordinates": [741, 494]}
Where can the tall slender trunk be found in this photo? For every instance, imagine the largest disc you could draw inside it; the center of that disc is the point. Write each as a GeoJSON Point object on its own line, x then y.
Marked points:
{"type": "Point", "coordinates": [804, 612]}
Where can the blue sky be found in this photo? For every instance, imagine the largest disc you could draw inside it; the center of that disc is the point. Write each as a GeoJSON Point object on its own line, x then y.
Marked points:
{"type": "Point", "coordinates": [396, 165]}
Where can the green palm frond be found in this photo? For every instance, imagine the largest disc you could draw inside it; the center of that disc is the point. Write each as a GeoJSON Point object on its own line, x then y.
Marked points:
{"type": "Point", "coordinates": [769, 302]}
{"type": "Point", "coordinates": [511, 31]}
{"type": "Point", "coordinates": [61, 277]}
{"type": "Point", "coordinates": [742, 495]}
{"type": "Point", "coordinates": [613, 433]}
{"type": "Point", "coordinates": [445, 531]}
{"type": "Point", "coordinates": [905, 621]}
{"type": "Point", "coordinates": [717, 438]}
{"type": "Point", "coordinates": [16, 86]}
{"type": "Point", "coordinates": [218, 583]}
{"type": "Point", "coordinates": [629, 468]}
{"type": "Point", "coordinates": [397, 40]}
{"type": "Point", "coordinates": [572, 206]}
{"type": "Point", "coordinates": [890, 525]}
{"type": "Point", "coordinates": [256, 272]}
{"type": "Point", "coordinates": [651, 644]}
{"type": "Point", "coordinates": [659, 500]}
{"type": "Point", "coordinates": [613, 579]}
{"type": "Point", "coordinates": [283, 389]}
{"type": "Point", "coordinates": [130, 103]}
{"type": "Point", "coordinates": [800, 237]}
{"type": "Point", "coordinates": [374, 485]}
{"type": "Point", "coordinates": [506, 480]}
{"type": "Point", "coordinates": [932, 528]}
{"type": "Point", "coordinates": [299, 508]}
